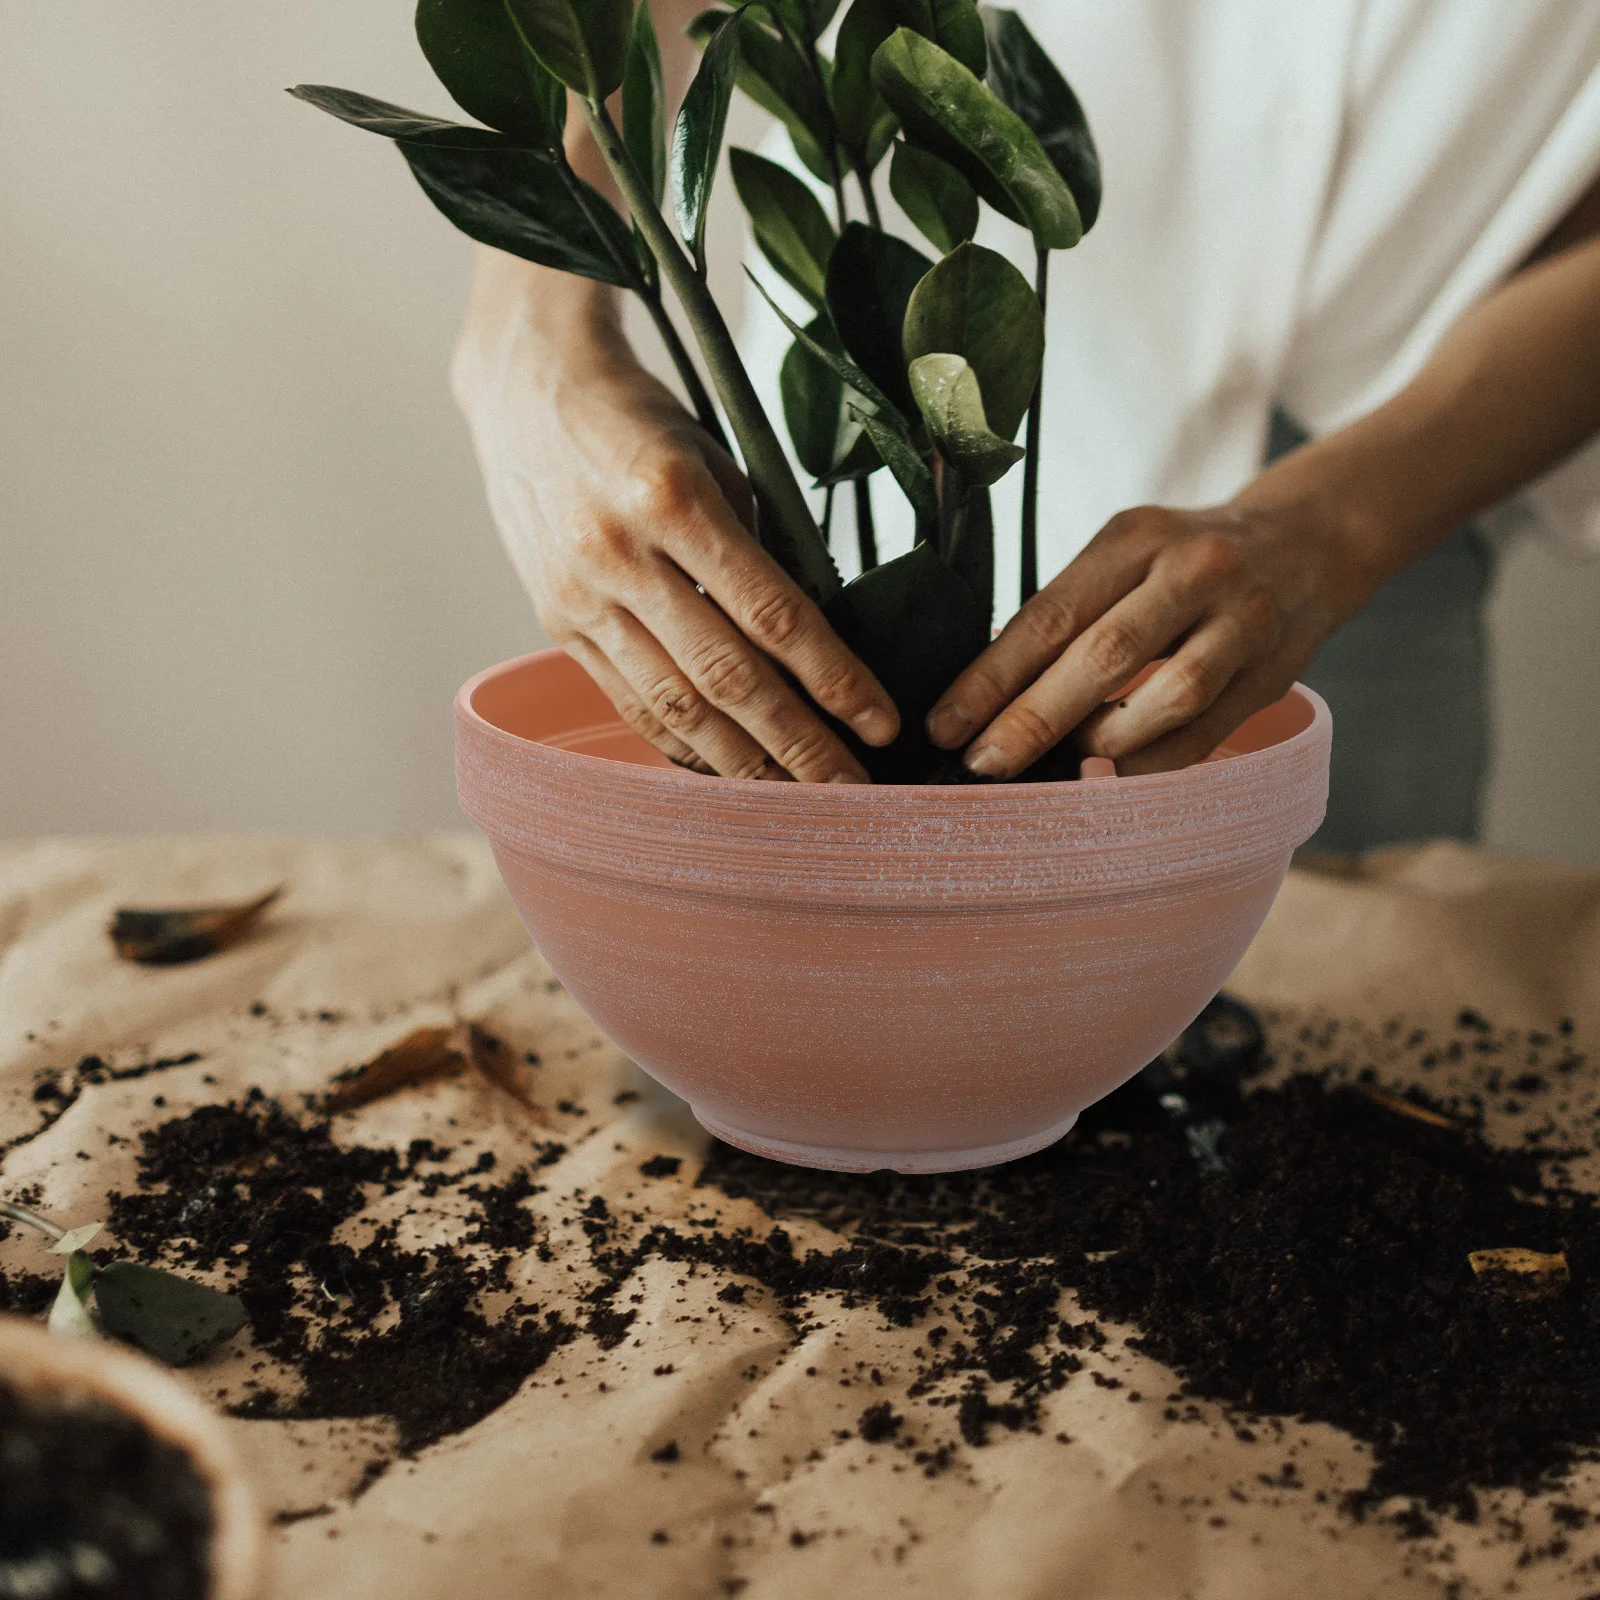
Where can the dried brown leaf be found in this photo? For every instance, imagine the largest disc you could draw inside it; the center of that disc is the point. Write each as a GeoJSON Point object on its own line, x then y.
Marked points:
{"type": "Point", "coordinates": [170, 937]}
{"type": "Point", "coordinates": [497, 1062]}
{"type": "Point", "coordinates": [1522, 1274]}
{"type": "Point", "coordinates": [420, 1057]}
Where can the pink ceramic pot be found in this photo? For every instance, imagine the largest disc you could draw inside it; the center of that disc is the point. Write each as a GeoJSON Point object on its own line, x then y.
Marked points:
{"type": "Point", "coordinates": [923, 979]}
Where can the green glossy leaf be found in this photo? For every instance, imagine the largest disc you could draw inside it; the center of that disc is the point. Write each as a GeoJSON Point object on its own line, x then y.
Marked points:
{"type": "Point", "coordinates": [644, 110]}
{"type": "Point", "coordinates": [395, 122]}
{"type": "Point", "coordinates": [871, 278]}
{"type": "Point", "coordinates": [958, 29]}
{"type": "Point", "coordinates": [944, 108]}
{"type": "Point", "coordinates": [941, 204]}
{"type": "Point", "coordinates": [806, 19]}
{"type": "Point", "coordinates": [861, 114]}
{"type": "Point", "coordinates": [697, 138]}
{"type": "Point", "coordinates": [171, 1318]}
{"type": "Point", "coordinates": [583, 42]}
{"type": "Point", "coordinates": [477, 52]}
{"type": "Point", "coordinates": [900, 456]}
{"type": "Point", "coordinates": [951, 402]}
{"type": "Point", "coordinates": [772, 76]}
{"type": "Point", "coordinates": [1027, 80]}
{"type": "Point", "coordinates": [917, 624]}
{"type": "Point", "coordinates": [813, 403]}
{"type": "Point", "coordinates": [839, 364]}
{"type": "Point", "coordinates": [69, 1314]}
{"type": "Point", "coordinates": [518, 201]}
{"type": "Point", "coordinates": [788, 221]}
{"type": "Point", "coordinates": [976, 305]}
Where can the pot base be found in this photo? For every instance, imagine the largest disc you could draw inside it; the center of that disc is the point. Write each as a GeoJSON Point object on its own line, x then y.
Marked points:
{"type": "Point", "coordinates": [905, 1161]}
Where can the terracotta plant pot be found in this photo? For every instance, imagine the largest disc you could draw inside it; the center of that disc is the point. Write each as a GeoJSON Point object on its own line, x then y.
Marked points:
{"type": "Point", "coordinates": [923, 979]}
{"type": "Point", "coordinates": [37, 1362]}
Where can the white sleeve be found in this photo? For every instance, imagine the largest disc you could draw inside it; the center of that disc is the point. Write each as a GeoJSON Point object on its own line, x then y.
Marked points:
{"type": "Point", "coordinates": [1471, 129]}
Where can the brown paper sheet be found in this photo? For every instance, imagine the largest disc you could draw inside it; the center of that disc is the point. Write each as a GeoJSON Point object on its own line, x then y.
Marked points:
{"type": "Point", "coordinates": [555, 1493]}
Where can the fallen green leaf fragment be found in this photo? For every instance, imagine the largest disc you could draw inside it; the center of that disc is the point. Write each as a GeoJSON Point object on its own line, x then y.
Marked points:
{"type": "Point", "coordinates": [172, 1318]}
{"type": "Point", "coordinates": [70, 1315]}
{"type": "Point", "coordinates": [74, 1239]}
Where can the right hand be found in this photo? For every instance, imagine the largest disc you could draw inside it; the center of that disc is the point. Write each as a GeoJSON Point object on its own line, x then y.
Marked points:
{"type": "Point", "coordinates": [629, 528]}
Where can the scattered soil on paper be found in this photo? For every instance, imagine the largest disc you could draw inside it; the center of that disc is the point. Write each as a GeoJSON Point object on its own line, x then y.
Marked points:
{"type": "Point", "coordinates": [1322, 1274]}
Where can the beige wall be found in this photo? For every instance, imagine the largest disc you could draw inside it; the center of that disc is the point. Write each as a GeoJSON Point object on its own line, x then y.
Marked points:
{"type": "Point", "coordinates": [244, 560]}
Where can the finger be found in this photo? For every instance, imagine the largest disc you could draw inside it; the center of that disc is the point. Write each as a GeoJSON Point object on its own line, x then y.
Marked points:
{"type": "Point", "coordinates": [739, 681]}
{"type": "Point", "coordinates": [769, 608]}
{"type": "Point", "coordinates": [1247, 694]}
{"type": "Point", "coordinates": [1100, 576]}
{"type": "Point", "coordinates": [1097, 664]}
{"type": "Point", "coordinates": [629, 706]}
{"type": "Point", "coordinates": [1184, 688]}
{"type": "Point", "coordinates": [673, 700]}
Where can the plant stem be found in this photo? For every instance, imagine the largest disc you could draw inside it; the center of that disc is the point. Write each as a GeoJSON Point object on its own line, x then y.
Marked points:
{"type": "Point", "coordinates": [650, 292]}
{"type": "Point", "coordinates": [705, 409]}
{"type": "Point", "coordinates": [771, 477]}
{"type": "Point", "coordinates": [827, 513]}
{"type": "Point", "coordinates": [866, 532]}
{"type": "Point", "coordinates": [869, 199]}
{"type": "Point", "coordinates": [15, 1213]}
{"type": "Point", "coordinates": [1030, 470]}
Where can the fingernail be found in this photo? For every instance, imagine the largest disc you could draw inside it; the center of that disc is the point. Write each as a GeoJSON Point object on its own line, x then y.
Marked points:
{"type": "Point", "coordinates": [946, 726]}
{"type": "Point", "coordinates": [875, 725]}
{"type": "Point", "coordinates": [986, 761]}
{"type": "Point", "coordinates": [849, 777]}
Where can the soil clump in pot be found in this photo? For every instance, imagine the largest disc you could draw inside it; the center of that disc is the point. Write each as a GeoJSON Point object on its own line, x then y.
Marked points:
{"type": "Point", "coordinates": [94, 1504]}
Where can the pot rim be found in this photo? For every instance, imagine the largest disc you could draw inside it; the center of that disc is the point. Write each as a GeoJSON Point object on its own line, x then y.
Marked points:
{"type": "Point", "coordinates": [34, 1359]}
{"type": "Point", "coordinates": [1196, 776]}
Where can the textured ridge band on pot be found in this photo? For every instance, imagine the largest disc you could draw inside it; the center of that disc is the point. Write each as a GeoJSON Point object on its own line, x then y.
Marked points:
{"type": "Point", "coordinates": [843, 844]}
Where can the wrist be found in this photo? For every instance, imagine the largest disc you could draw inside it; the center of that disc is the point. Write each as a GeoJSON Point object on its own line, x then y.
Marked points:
{"type": "Point", "coordinates": [562, 319]}
{"type": "Point", "coordinates": [1338, 518]}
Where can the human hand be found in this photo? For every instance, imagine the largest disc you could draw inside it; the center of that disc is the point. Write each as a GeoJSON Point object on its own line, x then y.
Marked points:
{"type": "Point", "coordinates": [1238, 599]}
{"type": "Point", "coordinates": [628, 526]}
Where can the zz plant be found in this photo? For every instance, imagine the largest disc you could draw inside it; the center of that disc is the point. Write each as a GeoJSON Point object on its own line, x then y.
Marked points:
{"type": "Point", "coordinates": [925, 367]}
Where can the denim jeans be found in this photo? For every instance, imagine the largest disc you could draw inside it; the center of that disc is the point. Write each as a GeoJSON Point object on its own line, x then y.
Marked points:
{"type": "Point", "coordinates": [1408, 684]}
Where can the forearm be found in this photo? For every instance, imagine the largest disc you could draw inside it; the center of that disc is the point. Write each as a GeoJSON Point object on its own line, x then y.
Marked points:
{"type": "Point", "coordinates": [1512, 389]}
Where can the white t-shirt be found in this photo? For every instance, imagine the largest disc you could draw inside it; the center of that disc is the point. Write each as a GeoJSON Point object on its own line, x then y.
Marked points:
{"type": "Point", "coordinates": [1300, 199]}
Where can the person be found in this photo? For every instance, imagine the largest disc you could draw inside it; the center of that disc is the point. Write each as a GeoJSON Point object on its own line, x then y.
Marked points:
{"type": "Point", "coordinates": [1359, 241]}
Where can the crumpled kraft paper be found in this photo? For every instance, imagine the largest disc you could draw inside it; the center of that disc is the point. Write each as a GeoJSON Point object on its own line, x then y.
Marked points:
{"type": "Point", "coordinates": [555, 1493]}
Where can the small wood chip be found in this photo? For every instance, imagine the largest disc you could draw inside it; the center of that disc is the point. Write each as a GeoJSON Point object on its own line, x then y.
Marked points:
{"type": "Point", "coordinates": [420, 1057]}
{"type": "Point", "coordinates": [170, 937]}
{"type": "Point", "coordinates": [1522, 1274]}
{"type": "Point", "coordinates": [1405, 1108]}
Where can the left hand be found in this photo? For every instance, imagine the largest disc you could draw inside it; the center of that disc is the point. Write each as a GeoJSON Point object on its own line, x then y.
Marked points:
{"type": "Point", "coordinates": [1238, 598]}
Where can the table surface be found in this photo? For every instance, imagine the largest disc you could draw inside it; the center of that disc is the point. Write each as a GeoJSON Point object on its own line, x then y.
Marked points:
{"type": "Point", "coordinates": [555, 1492]}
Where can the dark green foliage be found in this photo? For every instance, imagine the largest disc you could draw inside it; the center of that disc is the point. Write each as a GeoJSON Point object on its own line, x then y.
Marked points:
{"type": "Point", "coordinates": [478, 54]}
{"type": "Point", "coordinates": [787, 220]}
{"type": "Point", "coordinates": [519, 201]}
{"type": "Point", "coordinates": [917, 625]}
{"type": "Point", "coordinates": [644, 110]}
{"type": "Point", "coordinates": [697, 138]}
{"type": "Point", "coordinates": [947, 110]}
{"type": "Point", "coordinates": [1026, 79]}
{"type": "Point", "coordinates": [583, 42]}
{"type": "Point", "coordinates": [941, 204]}
{"type": "Point", "coordinates": [976, 305]}
{"type": "Point", "coordinates": [871, 278]}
